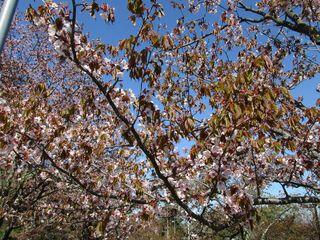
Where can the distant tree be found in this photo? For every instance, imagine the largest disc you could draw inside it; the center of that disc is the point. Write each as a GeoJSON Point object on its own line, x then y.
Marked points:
{"type": "Point", "coordinates": [285, 223]}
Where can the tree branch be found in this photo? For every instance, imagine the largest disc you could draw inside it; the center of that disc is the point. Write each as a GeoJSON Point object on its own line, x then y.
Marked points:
{"type": "Point", "coordinates": [296, 25]}
{"type": "Point", "coordinates": [150, 156]}
{"type": "Point", "coordinates": [286, 200]}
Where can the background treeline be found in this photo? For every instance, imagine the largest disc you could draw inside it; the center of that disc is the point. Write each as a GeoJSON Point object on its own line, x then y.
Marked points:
{"type": "Point", "coordinates": [283, 223]}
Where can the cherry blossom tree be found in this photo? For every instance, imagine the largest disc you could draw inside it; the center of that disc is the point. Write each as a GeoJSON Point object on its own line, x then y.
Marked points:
{"type": "Point", "coordinates": [41, 191]}
{"type": "Point", "coordinates": [211, 125]}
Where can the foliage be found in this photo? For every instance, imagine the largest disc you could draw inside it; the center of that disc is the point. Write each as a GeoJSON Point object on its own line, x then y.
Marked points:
{"type": "Point", "coordinates": [286, 223]}
{"type": "Point", "coordinates": [106, 157]}
{"type": "Point", "coordinates": [274, 223]}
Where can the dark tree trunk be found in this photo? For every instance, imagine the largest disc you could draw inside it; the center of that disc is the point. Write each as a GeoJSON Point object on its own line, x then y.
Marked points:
{"type": "Point", "coordinates": [7, 233]}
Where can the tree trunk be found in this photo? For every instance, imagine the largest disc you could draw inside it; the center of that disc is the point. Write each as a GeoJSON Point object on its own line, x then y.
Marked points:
{"type": "Point", "coordinates": [316, 218]}
{"type": "Point", "coordinates": [7, 233]}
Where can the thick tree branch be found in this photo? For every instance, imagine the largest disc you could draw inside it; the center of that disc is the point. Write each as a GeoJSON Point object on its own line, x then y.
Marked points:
{"type": "Point", "coordinates": [150, 156]}
{"type": "Point", "coordinates": [297, 25]}
{"type": "Point", "coordinates": [285, 201]}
